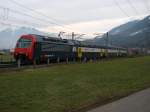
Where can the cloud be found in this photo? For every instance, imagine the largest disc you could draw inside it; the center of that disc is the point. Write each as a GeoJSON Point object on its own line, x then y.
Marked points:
{"type": "Point", "coordinates": [77, 15]}
{"type": "Point", "coordinates": [90, 27]}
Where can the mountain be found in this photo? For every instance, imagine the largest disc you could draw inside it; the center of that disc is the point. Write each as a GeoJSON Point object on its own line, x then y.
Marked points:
{"type": "Point", "coordinates": [9, 37]}
{"type": "Point", "coordinates": [132, 34]}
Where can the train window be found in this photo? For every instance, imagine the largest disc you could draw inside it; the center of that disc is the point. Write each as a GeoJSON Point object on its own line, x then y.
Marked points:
{"type": "Point", "coordinates": [24, 43]}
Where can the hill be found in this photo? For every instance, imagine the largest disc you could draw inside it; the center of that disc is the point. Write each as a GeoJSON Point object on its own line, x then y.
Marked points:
{"type": "Point", "coordinates": [8, 37]}
{"type": "Point", "coordinates": [132, 34]}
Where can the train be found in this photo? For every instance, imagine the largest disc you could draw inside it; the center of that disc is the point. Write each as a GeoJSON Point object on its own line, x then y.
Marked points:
{"type": "Point", "coordinates": [38, 48]}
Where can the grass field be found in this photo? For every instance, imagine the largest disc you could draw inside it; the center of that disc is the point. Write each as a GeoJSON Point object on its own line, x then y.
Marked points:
{"type": "Point", "coordinates": [70, 87]}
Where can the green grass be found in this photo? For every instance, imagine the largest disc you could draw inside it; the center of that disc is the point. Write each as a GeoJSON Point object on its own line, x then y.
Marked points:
{"type": "Point", "coordinates": [71, 87]}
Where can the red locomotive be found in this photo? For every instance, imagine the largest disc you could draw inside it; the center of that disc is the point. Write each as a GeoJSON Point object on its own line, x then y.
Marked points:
{"type": "Point", "coordinates": [25, 47]}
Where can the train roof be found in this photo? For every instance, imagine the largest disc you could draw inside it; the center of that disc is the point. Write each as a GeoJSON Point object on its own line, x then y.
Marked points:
{"type": "Point", "coordinates": [41, 38]}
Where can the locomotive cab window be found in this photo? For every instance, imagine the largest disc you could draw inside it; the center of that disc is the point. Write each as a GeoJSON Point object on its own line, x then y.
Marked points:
{"type": "Point", "coordinates": [24, 43]}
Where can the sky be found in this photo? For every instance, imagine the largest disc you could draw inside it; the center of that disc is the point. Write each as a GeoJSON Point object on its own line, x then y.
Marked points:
{"type": "Point", "coordinates": [80, 16]}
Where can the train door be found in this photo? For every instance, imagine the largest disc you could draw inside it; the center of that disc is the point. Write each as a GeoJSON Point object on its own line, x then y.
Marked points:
{"type": "Point", "coordinates": [79, 52]}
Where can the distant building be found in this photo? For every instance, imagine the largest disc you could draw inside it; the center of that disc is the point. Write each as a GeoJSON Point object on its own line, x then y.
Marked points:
{"type": "Point", "coordinates": [138, 51]}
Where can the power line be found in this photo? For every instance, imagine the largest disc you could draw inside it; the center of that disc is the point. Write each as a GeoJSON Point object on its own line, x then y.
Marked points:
{"type": "Point", "coordinates": [39, 13]}
{"type": "Point", "coordinates": [145, 2]}
{"type": "Point", "coordinates": [30, 9]}
{"type": "Point", "coordinates": [5, 17]}
{"type": "Point", "coordinates": [18, 26]}
{"type": "Point", "coordinates": [24, 14]}
{"type": "Point", "coordinates": [30, 16]}
{"type": "Point", "coordinates": [132, 6]}
{"type": "Point", "coordinates": [24, 22]}
{"type": "Point", "coordinates": [9, 24]}
{"type": "Point", "coordinates": [121, 9]}
{"type": "Point", "coordinates": [17, 12]}
{"type": "Point", "coordinates": [20, 23]}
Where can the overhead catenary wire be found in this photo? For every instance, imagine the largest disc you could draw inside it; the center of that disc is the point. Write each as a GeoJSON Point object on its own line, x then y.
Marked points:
{"type": "Point", "coordinates": [121, 9]}
{"type": "Point", "coordinates": [46, 22]}
{"type": "Point", "coordinates": [49, 21]}
{"type": "Point", "coordinates": [133, 7]}
{"type": "Point", "coordinates": [52, 20]}
{"type": "Point", "coordinates": [9, 20]}
{"type": "Point", "coordinates": [19, 26]}
{"type": "Point", "coordinates": [24, 14]}
{"type": "Point", "coordinates": [17, 23]}
{"type": "Point", "coordinates": [30, 9]}
{"type": "Point", "coordinates": [9, 24]}
{"type": "Point", "coordinates": [6, 17]}
{"type": "Point", "coordinates": [23, 22]}
{"type": "Point", "coordinates": [145, 2]}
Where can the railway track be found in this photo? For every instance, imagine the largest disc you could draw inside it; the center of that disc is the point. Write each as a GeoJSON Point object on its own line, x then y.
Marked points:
{"type": "Point", "coordinates": [8, 67]}
{"type": "Point", "coordinates": [14, 67]}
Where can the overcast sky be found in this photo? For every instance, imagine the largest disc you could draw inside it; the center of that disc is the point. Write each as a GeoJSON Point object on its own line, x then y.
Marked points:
{"type": "Point", "coordinates": [85, 16]}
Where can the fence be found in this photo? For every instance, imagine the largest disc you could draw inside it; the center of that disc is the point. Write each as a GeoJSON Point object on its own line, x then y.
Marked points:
{"type": "Point", "coordinates": [6, 58]}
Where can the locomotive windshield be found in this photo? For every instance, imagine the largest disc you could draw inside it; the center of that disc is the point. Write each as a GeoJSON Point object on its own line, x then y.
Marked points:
{"type": "Point", "coordinates": [24, 43]}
